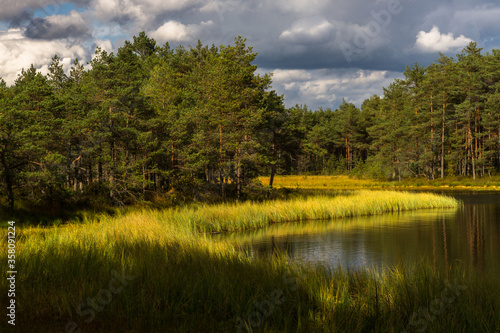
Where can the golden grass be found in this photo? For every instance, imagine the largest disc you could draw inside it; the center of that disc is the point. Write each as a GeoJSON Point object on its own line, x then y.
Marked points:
{"type": "Point", "coordinates": [387, 220]}
{"type": "Point", "coordinates": [183, 280]}
{"type": "Point", "coordinates": [347, 183]}
{"type": "Point", "coordinates": [252, 215]}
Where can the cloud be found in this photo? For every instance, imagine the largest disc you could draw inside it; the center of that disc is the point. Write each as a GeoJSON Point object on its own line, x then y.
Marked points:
{"type": "Point", "coordinates": [316, 47]}
{"type": "Point", "coordinates": [15, 8]}
{"type": "Point", "coordinates": [173, 31]}
{"type": "Point", "coordinates": [221, 6]}
{"type": "Point", "coordinates": [21, 18]}
{"type": "Point", "coordinates": [139, 13]}
{"type": "Point", "coordinates": [105, 45]}
{"type": "Point", "coordinates": [121, 11]}
{"type": "Point", "coordinates": [18, 52]}
{"type": "Point", "coordinates": [169, 5]}
{"type": "Point", "coordinates": [433, 41]}
{"type": "Point", "coordinates": [327, 87]}
{"type": "Point", "coordinates": [11, 35]}
{"type": "Point", "coordinates": [308, 31]}
{"type": "Point", "coordinates": [12, 10]}
{"type": "Point", "coordinates": [283, 75]}
{"type": "Point", "coordinates": [301, 6]}
{"type": "Point", "coordinates": [57, 27]}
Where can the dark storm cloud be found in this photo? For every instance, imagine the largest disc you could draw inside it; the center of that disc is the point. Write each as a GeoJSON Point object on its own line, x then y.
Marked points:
{"type": "Point", "coordinates": [21, 19]}
{"type": "Point", "coordinates": [57, 27]}
{"type": "Point", "coordinates": [375, 36]}
{"type": "Point", "coordinates": [382, 36]}
{"type": "Point", "coordinates": [341, 36]}
{"type": "Point", "coordinates": [18, 11]}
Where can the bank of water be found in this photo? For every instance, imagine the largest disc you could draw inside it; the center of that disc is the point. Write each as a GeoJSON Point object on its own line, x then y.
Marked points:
{"type": "Point", "coordinates": [468, 236]}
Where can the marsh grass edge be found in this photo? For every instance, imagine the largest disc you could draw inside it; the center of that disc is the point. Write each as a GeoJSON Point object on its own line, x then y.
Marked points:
{"type": "Point", "coordinates": [178, 279]}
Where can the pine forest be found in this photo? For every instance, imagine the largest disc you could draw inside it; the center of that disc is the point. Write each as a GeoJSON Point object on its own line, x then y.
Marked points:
{"type": "Point", "coordinates": [199, 122]}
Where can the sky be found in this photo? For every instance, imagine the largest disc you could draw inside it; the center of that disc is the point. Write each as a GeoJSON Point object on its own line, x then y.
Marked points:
{"type": "Point", "coordinates": [319, 51]}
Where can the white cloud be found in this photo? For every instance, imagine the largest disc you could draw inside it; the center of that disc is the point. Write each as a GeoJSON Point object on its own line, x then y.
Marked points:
{"type": "Point", "coordinates": [311, 30]}
{"type": "Point", "coordinates": [434, 41]}
{"type": "Point", "coordinates": [173, 31]}
{"type": "Point", "coordinates": [320, 90]}
{"type": "Point", "coordinates": [11, 35]}
{"type": "Point", "coordinates": [74, 18]}
{"type": "Point", "coordinates": [105, 45]}
{"type": "Point", "coordinates": [18, 52]}
{"type": "Point", "coordinates": [284, 75]}
{"type": "Point", "coordinates": [327, 87]}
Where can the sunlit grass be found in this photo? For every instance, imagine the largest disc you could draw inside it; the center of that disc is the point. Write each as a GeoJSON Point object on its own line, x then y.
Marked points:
{"type": "Point", "coordinates": [183, 280]}
{"type": "Point", "coordinates": [388, 220]}
{"type": "Point", "coordinates": [347, 183]}
{"type": "Point", "coordinates": [251, 215]}
{"type": "Point", "coordinates": [321, 182]}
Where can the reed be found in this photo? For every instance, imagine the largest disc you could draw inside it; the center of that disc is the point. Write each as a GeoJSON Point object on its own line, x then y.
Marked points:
{"type": "Point", "coordinates": [388, 220]}
{"type": "Point", "coordinates": [180, 281]}
{"type": "Point", "coordinates": [252, 215]}
{"type": "Point", "coordinates": [347, 183]}
{"type": "Point", "coordinates": [152, 271]}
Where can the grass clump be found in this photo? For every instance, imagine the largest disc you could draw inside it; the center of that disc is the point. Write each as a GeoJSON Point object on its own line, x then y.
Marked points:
{"type": "Point", "coordinates": [154, 271]}
{"type": "Point", "coordinates": [180, 281]}
{"type": "Point", "coordinates": [349, 183]}
{"type": "Point", "coordinates": [251, 215]}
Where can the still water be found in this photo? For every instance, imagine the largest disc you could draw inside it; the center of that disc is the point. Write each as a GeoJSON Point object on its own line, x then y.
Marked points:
{"type": "Point", "coordinates": [468, 236]}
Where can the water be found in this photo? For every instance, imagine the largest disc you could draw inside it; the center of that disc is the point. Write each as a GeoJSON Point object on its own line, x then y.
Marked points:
{"type": "Point", "coordinates": [468, 236]}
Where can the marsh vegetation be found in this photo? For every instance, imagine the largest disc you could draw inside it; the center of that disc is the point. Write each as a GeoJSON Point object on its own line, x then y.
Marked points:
{"type": "Point", "coordinates": [179, 278]}
{"type": "Point", "coordinates": [119, 174]}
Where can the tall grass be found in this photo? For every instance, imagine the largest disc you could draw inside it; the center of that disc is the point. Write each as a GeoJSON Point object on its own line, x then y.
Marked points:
{"type": "Point", "coordinates": [322, 182]}
{"type": "Point", "coordinates": [388, 220]}
{"type": "Point", "coordinates": [347, 183]}
{"type": "Point", "coordinates": [182, 281]}
{"type": "Point", "coordinates": [251, 215]}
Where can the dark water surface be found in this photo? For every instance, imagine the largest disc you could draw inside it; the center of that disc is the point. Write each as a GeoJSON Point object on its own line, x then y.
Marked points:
{"type": "Point", "coordinates": [469, 236]}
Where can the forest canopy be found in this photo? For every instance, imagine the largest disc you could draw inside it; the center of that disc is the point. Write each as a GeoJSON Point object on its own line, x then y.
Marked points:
{"type": "Point", "coordinates": [197, 122]}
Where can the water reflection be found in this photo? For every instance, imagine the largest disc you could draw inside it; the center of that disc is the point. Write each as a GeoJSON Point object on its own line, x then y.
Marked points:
{"type": "Point", "coordinates": [469, 235]}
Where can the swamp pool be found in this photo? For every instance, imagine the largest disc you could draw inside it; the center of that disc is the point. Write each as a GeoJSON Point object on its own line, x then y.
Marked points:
{"type": "Point", "coordinates": [468, 236]}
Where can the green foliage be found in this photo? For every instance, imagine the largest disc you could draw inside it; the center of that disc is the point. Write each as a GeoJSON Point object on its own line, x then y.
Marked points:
{"type": "Point", "coordinates": [184, 281]}
{"type": "Point", "coordinates": [139, 124]}
{"type": "Point", "coordinates": [201, 122]}
{"type": "Point", "coordinates": [441, 120]}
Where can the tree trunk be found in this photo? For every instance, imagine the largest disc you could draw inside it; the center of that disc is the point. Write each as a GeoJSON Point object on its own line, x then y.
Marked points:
{"type": "Point", "coordinates": [143, 175]}
{"type": "Point", "coordinates": [442, 137]}
{"type": "Point", "coordinates": [99, 171]}
{"type": "Point", "coordinates": [9, 184]}
{"type": "Point", "coordinates": [432, 138]}
{"type": "Point", "coordinates": [238, 176]}
{"type": "Point", "coordinates": [472, 153]}
{"type": "Point", "coordinates": [273, 166]}
{"type": "Point", "coordinates": [221, 179]}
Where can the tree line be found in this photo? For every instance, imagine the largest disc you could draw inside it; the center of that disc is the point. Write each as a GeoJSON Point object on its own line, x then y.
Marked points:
{"type": "Point", "coordinates": [440, 120]}
{"type": "Point", "coordinates": [151, 121]}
